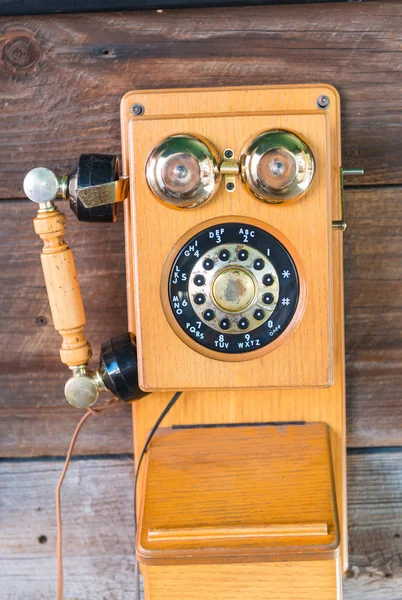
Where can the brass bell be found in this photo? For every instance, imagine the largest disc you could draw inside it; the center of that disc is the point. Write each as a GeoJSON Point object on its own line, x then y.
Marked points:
{"type": "Point", "coordinates": [277, 166]}
{"type": "Point", "coordinates": [182, 171]}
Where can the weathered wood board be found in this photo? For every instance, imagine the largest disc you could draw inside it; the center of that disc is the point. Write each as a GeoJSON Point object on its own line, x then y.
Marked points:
{"type": "Point", "coordinates": [98, 525]}
{"type": "Point", "coordinates": [39, 422]}
{"type": "Point", "coordinates": [62, 76]}
{"type": "Point", "coordinates": [61, 80]}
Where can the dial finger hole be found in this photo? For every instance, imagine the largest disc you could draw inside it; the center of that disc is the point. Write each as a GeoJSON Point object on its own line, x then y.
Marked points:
{"type": "Point", "coordinates": [224, 255]}
{"type": "Point", "coordinates": [199, 280]}
{"type": "Point", "coordinates": [242, 255]}
{"type": "Point", "coordinates": [259, 314]}
{"type": "Point", "coordinates": [243, 323]}
{"type": "Point", "coordinates": [268, 280]}
{"type": "Point", "coordinates": [258, 264]}
{"type": "Point", "coordinates": [224, 324]}
{"type": "Point", "coordinates": [208, 314]}
{"type": "Point", "coordinates": [208, 264]}
{"type": "Point", "coordinates": [268, 298]}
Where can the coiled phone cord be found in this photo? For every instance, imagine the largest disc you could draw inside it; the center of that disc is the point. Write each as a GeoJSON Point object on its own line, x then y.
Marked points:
{"type": "Point", "coordinates": [90, 412]}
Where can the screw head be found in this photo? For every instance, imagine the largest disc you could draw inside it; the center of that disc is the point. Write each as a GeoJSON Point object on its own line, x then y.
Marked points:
{"type": "Point", "coordinates": [230, 186]}
{"type": "Point", "coordinates": [228, 153]}
{"type": "Point", "coordinates": [322, 101]}
{"type": "Point", "coordinates": [137, 110]}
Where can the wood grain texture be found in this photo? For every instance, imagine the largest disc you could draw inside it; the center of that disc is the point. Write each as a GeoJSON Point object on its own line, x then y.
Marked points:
{"type": "Point", "coordinates": [34, 416]}
{"type": "Point", "coordinates": [61, 79]}
{"type": "Point", "coordinates": [63, 288]}
{"type": "Point", "coordinates": [314, 580]}
{"type": "Point", "coordinates": [41, 423]}
{"type": "Point", "coordinates": [228, 117]}
{"type": "Point", "coordinates": [62, 87]}
{"type": "Point", "coordinates": [373, 309]}
{"type": "Point", "coordinates": [214, 513]}
{"type": "Point", "coordinates": [98, 561]}
{"type": "Point", "coordinates": [297, 389]}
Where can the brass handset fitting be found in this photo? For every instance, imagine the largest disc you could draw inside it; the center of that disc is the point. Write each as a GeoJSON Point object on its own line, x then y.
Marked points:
{"type": "Point", "coordinates": [83, 388]}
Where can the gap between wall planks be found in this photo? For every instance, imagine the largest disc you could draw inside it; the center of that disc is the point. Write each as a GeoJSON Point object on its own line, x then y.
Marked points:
{"type": "Point", "coordinates": [62, 76]}
{"type": "Point", "coordinates": [98, 561]}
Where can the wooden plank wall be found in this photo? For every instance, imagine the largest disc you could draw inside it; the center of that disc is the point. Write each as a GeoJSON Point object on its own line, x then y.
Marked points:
{"type": "Point", "coordinates": [61, 79]}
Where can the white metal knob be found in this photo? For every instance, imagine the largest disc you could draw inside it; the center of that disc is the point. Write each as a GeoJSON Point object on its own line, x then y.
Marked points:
{"type": "Point", "coordinates": [41, 185]}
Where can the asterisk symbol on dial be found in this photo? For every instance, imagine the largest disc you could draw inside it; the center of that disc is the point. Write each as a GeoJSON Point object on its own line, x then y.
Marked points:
{"type": "Point", "coordinates": [286, 274]}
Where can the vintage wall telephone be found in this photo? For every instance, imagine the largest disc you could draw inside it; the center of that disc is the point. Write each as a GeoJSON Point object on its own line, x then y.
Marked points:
{"type": "Point", "coordinates": [233, 230]}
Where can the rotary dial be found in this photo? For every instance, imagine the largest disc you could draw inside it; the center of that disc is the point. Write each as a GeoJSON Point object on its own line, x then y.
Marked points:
{"type": "Point", "coordinates": [233, 288]}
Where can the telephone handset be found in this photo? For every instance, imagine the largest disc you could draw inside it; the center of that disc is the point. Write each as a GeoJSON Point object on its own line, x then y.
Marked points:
{"type": "Point", "coordinates": [117, 371]}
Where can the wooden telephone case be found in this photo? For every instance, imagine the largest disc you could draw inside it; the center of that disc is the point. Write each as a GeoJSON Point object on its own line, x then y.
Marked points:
{"type": "Point", "coordinates": [235, 408]}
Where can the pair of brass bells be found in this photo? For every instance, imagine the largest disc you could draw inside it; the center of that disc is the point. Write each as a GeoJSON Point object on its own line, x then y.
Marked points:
{"type": "Point", "coordinates": [184, 171]}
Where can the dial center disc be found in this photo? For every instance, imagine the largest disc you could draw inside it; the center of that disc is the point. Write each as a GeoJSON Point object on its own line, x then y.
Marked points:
{"type": "Point", "coordinates": [233, 289]}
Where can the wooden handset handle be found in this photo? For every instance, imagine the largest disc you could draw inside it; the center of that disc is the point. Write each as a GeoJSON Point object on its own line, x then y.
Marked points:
{"type": "Point", "coordinates": [43, 186]}
{"type": "Point", "coordinates": [62, 287]}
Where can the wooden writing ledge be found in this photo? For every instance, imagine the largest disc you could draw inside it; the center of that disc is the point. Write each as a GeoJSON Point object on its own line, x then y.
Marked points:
{"type": "Point", "coordinates": [238, 494]}
{"type": "Point", "coordinates": [222, 501]}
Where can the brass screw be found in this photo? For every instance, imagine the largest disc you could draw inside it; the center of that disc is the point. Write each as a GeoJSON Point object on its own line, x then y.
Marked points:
{"type": "Point", "coordinates": [339, 225]}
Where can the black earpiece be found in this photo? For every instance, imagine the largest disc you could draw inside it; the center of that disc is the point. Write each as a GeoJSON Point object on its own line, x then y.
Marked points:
{"type": "Point", "coordinates": [118, 367]}
{"type": "Point", "coordinates": [94, 169]}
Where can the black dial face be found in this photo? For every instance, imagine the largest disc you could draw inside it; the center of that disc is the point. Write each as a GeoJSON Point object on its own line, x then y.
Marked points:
{"type": "Point", "coordinates": [233, 288]}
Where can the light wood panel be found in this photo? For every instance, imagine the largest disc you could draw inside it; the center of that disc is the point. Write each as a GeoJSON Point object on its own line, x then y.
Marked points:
{"type": "Point", "coordinates": [327, 405]}
{"type": "Point", "coordinates": [90, 61]}
{"type": "Point", "coordinates": [314, 580]}
{"type": "Point", "coordinates": [169, 314]}
{"type": "Point", "coordinates": [107, 54]}
{"type": "Point", "coordinates": [63, 288]}
{"type": "Point", "coordinates": [238, 494]}
{"type": "Point", "coordinates": [228, 118]}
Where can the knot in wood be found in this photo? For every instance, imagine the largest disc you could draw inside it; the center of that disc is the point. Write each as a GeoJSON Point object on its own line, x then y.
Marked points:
{"type": "Point", "coordinates": [21, 53]}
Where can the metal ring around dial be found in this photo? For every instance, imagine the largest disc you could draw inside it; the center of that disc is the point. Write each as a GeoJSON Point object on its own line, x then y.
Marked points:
{"type": "Point", "coordinates": [182, 171]}
{"type": "Point", "coordinates": [220, 269]}
{"type": "Point", "coordinates": [277, 166]}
